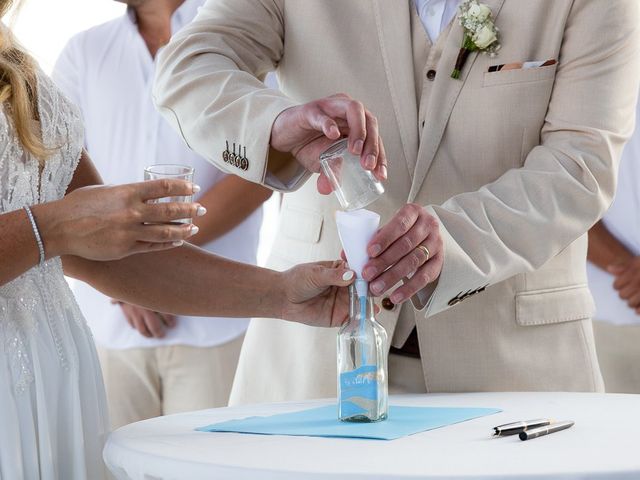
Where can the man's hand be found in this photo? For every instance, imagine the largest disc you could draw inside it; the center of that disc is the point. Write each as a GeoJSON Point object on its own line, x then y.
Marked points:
{"type": "Point", "coordinates": [307, 130]}
{"type": "Point", "coordinates": [150, 324]}
{"type": "Point", "coordinates": [399, 251]}
{"type": "Point", "coordinates": [627, 282]}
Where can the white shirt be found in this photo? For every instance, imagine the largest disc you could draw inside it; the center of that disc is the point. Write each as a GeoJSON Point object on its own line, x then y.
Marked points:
{"type": "Point", "coordinates": [623, 221]}
{"type": "Point", "coordinates": [108, 71]}
{"type": "Point", "coordinates": [436, 15]}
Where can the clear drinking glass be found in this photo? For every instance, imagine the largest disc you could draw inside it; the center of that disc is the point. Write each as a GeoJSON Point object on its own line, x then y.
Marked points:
{"type": "Point", "coordinates": [178, 172]}
{"type": "Point", "coordinates": [354, 186]}
{"type": "Point", "coordinates": [362, 364]}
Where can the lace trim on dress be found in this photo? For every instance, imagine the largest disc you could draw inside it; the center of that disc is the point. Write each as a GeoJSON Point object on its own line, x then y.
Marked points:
{"type": "Point", "coordinates": [23, 182]}
{"type": "Point", "coordinates": [62, 131]}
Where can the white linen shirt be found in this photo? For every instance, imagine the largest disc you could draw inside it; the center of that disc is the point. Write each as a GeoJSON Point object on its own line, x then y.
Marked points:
{"type": "Point", "coordinates": [436, 15]}
{"type": "Point", "coordinates": [108, 72]}
{"type": "Point", "coordinates": [623, 221]}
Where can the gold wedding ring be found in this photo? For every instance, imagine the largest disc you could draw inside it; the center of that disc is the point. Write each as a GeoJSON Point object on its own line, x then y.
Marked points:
{"type": "Point", "coordinates": [425, 250]}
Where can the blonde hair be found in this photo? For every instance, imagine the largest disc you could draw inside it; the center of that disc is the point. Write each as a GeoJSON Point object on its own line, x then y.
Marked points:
{"type": "Point", "coordinates": [18, 89]}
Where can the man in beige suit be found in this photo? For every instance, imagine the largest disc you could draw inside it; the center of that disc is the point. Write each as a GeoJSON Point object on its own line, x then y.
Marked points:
{"type": "Point", "coordinates": [499, 174]}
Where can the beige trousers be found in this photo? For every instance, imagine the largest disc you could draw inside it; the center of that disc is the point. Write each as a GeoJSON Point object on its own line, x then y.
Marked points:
{"type": "Point", "coordinates": [618, 348]}
{"type": "Point", "coordinates": [144, 383]}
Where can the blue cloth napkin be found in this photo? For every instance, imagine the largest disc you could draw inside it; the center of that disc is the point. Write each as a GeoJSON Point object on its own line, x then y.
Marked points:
{"type": "Point", "coordinates": [323, 422]}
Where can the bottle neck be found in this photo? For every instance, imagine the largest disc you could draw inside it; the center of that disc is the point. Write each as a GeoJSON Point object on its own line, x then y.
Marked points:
{"type": "Point", "coordinates": [361, 287]}
{"type": "Point", "coordinates": [359, 293]}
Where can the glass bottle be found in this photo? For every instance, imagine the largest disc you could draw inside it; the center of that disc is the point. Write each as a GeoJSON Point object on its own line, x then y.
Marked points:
{"type": "Point", "coordinates": [362, 363]}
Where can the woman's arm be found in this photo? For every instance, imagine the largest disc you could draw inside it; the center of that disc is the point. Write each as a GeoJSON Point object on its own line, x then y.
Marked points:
{"type": "Point", "coordinates": [185, 281]}
{"type": "Point", "coordinates": [190, 281]}
{"type": "Point", "coordinates": [98, 222]}
{"type": "Point", "coordinates": [18, 247]}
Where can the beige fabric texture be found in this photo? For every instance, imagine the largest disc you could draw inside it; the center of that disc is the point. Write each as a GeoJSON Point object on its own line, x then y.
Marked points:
{"type": "Point", "coordinates": [618, 349]}
{"type": "Point", "coordinates": [144, 383]}
{"type": "Point", "coordinates": [405, 375]}
{"type": "Point", "coordinates": [516, 165]}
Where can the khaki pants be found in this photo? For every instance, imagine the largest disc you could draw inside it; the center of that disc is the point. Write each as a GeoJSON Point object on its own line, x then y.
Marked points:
{"type": "Point", "coordinates": [144, 383]}
{"type": "Point", "coordinates": [618, 348]}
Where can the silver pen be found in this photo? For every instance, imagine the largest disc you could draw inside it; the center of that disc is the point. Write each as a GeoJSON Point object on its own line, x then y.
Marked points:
{"type": "Point", "coordinates": [541, 431]}
{"type": "Point", "coordinates": [517, 427]}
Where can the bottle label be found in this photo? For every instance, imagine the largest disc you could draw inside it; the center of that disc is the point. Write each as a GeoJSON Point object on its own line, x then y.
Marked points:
{"type": "Point", "coordinates": [359, 389]}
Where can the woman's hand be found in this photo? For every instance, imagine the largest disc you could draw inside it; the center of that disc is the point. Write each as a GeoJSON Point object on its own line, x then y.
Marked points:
{"type": "Point", "coordinates": [113, 222]}
{"type": "Point", "coordinates": [314, 294]}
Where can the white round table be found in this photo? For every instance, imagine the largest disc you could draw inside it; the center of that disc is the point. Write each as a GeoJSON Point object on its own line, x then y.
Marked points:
{"type": "Point", "coordinates": [603, 444]}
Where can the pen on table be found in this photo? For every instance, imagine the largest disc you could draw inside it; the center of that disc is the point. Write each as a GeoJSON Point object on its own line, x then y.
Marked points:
{"type": "Point", "coordinates": [517, 427]}
{"type": "Point", "coordinates": [540, 431]}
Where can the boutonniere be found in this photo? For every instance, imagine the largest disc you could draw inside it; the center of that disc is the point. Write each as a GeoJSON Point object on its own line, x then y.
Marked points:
{"type": "Point", "coordinates": [480, 32]}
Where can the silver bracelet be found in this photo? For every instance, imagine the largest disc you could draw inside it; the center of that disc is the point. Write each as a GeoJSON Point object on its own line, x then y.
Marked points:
{"type": "Point", "coordinates": [36, 233]}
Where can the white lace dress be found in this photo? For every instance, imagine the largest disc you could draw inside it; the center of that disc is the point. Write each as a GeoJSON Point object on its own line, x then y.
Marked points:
{"type": "Point", "coordinates": [53, 420]}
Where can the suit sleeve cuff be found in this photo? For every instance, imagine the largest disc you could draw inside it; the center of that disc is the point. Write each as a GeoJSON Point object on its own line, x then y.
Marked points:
{"type": "Point", "coordinates": [458, 279]}
{"type": "Point", "coordinates": [283, 172]}
{"type": "Point", "coordinates": [249, 155]}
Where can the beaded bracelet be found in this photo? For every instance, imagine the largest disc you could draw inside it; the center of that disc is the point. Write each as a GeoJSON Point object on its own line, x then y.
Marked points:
{"type": "Point", "coordinates": [36, 233]}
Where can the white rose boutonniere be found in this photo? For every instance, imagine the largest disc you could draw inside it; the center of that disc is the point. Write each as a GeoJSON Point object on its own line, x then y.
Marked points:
{"type": "Point", "coordinates": [485, 37]}
{"type": "Point", "coordinates": [480, 32]}
{"type": "Point", "coordinates": [480, 11]}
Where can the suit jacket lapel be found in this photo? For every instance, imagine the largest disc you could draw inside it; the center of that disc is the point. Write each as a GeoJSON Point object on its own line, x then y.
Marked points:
{"type": "Point", "coordinates": [443, 99]}
{"type": "Point", "coordinates": [394, 35]}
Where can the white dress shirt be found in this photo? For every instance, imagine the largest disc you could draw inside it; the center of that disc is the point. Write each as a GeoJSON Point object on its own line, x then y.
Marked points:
{"type": "Point", "coordinates": [108, 71]}
{"type": "Point", "coordinates": [623, 221]}
{"type": "Point", "coordinates": [436, 15]}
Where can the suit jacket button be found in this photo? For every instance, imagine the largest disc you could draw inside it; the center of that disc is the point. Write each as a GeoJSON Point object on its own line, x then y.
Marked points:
{"type": "Point", "coordinates": [387, 304]}
{"type": "Point", "coordinates": [431, 75]}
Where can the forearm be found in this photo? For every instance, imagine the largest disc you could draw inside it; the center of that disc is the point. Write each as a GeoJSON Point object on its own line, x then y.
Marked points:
{"type": "Point", "coordinates": [185, 281]}
{"type": "Point", "coordinates": [208, 88]}
{"type": "Point", "coordinates": [18, 247]}
{"type": "Point", "coordinates": [228, 204]}
{"type": "Point", "coordinates": [605, 250]}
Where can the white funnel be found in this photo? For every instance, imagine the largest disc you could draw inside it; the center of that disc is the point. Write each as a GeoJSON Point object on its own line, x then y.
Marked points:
{"type": "Point", "coordinates": [356, 229]}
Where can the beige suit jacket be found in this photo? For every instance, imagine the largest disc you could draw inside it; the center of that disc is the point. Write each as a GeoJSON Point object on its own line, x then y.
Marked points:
{"type": "Point", "coordinates": [516, 165]}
